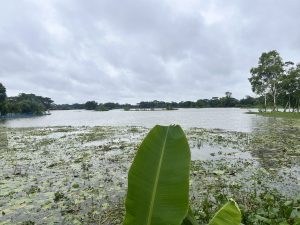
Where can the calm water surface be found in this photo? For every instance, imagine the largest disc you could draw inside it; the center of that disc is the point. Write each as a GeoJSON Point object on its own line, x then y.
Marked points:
{"type": "Point", "coordinates": [232, 119]}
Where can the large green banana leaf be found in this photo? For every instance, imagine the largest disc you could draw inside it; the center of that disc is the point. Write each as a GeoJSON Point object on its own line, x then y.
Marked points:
{"type": "Point", "coordinates": [158, 180]}
{"type": "Point", "coordinates": [229, 214]}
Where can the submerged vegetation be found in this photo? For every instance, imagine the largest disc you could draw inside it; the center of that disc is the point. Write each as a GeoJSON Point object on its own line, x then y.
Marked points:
{"type": "Point", "coordinates": [78, 175]}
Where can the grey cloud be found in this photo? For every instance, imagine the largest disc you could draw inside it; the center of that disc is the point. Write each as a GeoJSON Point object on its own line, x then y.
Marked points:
{"type": "Point", "coordinates": [133, 50]}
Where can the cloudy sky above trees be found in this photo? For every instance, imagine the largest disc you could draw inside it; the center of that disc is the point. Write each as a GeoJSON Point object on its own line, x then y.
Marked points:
{"type": "Point", "coordinates": [133, 50]}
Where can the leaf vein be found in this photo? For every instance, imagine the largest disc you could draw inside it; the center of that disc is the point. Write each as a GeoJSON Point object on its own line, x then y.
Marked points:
{"type": "Point", "coordinates": [149, 218]}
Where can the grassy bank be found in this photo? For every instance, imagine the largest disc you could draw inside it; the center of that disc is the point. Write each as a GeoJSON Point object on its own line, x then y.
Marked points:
{"type": "Point", "coordinates": [289, 115]}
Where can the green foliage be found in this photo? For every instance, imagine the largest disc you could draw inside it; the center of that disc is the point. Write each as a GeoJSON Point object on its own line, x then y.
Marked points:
{"type": "Point", "coordinates": [229, 214]}
{"type": "Point", "coordinates": [169, 107]}
{"type": "Point", "coordinates": [270, 208]}
{"type": "Point", "coordinates": [58, 196]}
{"type": "Point", "coordinates": [226, 101]}
{"type": "Point", "coordinates": [2, 99]}
{"type": "Point", "coordinates": [290, 88]}
{"type": "Point", "coordinates": [265, 77]}
{"type": "Point", "coordinates": [90, 105]}
{"type": "Point", "coordinates": [158, 183]}
{"type": "Point", "coordinates": [260, 205]}
{"type": "Point", "coordinates": [111, 105]}
{"type": "Point", "coordinates": [23, 103]}
{"type": "Point", "coordinates": [126, 107]}
{"type": "Point", "coordinates": [101, 107]}
{"type": "Point", "coordinates": [2, 93]}
{"type": "Point", "coordinates": [278, 79]}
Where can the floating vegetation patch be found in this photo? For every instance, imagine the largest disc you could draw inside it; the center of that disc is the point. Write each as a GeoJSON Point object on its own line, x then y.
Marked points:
{"type": "Point", "coordinates": [78, 175]}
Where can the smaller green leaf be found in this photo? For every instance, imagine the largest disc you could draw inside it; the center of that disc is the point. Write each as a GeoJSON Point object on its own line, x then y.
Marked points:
{"type": "Point", "coordinates": [229, 214]}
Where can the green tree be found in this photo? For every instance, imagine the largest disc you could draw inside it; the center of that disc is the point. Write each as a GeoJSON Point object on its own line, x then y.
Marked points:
{"type": "Point", "coordinates": [248, 101]}
{"type": "Point", "coordinates": [47, 102]}
{"type": "Point", "coordinates": [289, 87]}
{"type": "Point", "coordinates": [101, 107]}
{"type": "Point", "coordinates": [228, 94]}
{"type": "Point", "coordinates": [111, 105]}
{"type": "Point", "coordinates": [259, 87]}
{"type": "Point", "coordinates": [90, 105]}
{"type": "Point", "coordinates": [293, 85]}
{"type": "Point", "coordinates": [28, 104]}
{"type": "Point", "coordinates": [228, 100]}
{"type": "Point", "coordinates": [3, 97]}
{"type": "Point", "coordinates": [202, 103]}
{"type": "Point", "coordinates": [266, 76]}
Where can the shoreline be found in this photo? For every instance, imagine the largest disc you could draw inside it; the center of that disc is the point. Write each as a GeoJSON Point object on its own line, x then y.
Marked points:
{"type": "Point", "coordinates": [17, 116]}
{"type": "Point", "coordinates": [288, 115]}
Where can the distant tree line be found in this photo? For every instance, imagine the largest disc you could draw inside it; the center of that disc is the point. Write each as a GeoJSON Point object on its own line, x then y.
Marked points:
{"type": "Point", "coordinates": [90, 105]}
{"type": "Point", "coordinates": [226, 101]}
{"type": "Point", "coordinates": [23, 103]}
{"type": "Point", "coordinates": [277, 82]}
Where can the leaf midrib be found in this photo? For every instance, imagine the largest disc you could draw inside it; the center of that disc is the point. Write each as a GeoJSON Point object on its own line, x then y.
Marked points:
{"type": "Point", "coordinates": [156, 180]}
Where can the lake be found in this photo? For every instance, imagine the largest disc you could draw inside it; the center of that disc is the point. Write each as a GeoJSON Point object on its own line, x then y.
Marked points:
{"type": "Point", "coordinates": [232, 119]}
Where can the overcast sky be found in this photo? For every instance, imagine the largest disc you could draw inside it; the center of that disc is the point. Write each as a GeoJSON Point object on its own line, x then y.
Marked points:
{"type": "Point", "coordinates": [133, 50]}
